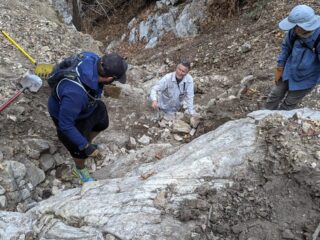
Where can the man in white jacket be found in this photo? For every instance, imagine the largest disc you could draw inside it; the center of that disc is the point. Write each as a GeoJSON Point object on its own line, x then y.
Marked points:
{"type": "Point", "coordinates": [173, 89]}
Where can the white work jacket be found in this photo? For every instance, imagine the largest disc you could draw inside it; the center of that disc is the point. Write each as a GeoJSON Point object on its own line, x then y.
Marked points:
{"type": "Point", "coordinates": [170, 96]}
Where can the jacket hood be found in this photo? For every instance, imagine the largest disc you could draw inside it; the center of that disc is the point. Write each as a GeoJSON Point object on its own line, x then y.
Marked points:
{"type": "Point", "coordinates": [88, 71]}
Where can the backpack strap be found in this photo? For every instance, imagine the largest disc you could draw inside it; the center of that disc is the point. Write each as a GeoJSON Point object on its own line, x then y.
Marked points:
{"type": "Point", "coordinates": [79, 83]}
{"type": "Point", "coordinates": [75, 81]}
{"type": "Point", "coordinates": [315, 45]}
{"type": "Point", "coordinates": [293, 38]}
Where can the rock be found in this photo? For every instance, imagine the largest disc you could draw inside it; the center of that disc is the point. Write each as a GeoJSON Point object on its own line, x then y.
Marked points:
{"type": "Point", "coordinates": [152, 43]}
{"type": "Point", "coordinates": [165, 135]}
{"type": "Point", "coordinates": [34, 174]}
{"type": "Point", "coordinates": [160, 201]}
{"type": "Point", "coordinates": [132, 23]}
{"type": "Point", "coordinates": [317, 155]}
{"type": "Point", "coordinates": [2, 190]}
{"type": "Point", "coordinates": [3, 202]}
{"type": "Point", "coordinates": [58, 159]}
{"type": "Point", "coordinates": [192, 132]}
{"type": "Point", "coordinates": [194, 121]}
{"type": "Point", "coordinates": [34, 147]}
{"type": "Point", "coordinates": [47, 162]}
{"type": "Point", "coordinates": [180, 126]}
{"type": "Point", "coordinates": [177, 137]}
{"type": "Point", "coordinates": [246, 47]}
{"type": "Point", "coordinates": [287, 234]}
{"type": "Point", "coordinates": [147, 174]}
{"type": "Point", "coordinates": [145, 140]}
{"type": "Point", "coordinates": [132, 143]}
{"type": "Point", "coordinates": [15, 169]}
{"type": "Point", "coordinates": [25, 194]}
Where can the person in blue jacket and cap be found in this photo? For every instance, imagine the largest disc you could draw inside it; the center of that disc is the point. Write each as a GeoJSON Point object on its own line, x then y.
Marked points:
{"type": "Point", "coordinates": [76, 110]}
{"type": "Point", "coordinates": [298, 68]}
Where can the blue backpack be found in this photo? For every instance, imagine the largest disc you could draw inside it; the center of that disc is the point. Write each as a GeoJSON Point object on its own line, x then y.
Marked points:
{"type": "Point", "coordinates": [65, 69]}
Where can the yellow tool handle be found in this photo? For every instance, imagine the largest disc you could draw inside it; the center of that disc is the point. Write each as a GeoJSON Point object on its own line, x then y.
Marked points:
{"type": "Point", "coordinates": [20, 48]}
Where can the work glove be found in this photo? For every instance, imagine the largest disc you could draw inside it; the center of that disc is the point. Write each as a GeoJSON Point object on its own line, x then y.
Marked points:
{"type": "Point", "coordinates": [92, 150]}
{"type": "Point", "coordinates": [278, 75]}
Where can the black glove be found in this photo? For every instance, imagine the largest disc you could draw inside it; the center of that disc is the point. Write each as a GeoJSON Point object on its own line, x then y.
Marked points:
{"type": "Point", "coordinates": [92, 150]}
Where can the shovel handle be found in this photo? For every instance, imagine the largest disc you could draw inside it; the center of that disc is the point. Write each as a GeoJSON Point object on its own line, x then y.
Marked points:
{"type": "Point", "coordinates": [18, 46]}
{"type": "Point", "coordinates": [9, 101]}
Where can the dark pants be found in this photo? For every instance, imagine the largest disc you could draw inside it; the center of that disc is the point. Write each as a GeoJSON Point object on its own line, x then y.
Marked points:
{"type": "Point", "coordinates": [96, 122]}
{"type": "Point", "coordinates": [281, 98]}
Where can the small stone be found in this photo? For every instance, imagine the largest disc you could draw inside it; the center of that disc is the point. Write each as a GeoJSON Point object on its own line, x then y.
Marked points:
{"type": "Point", "coordinates": [145, 140]}
{"type": "Point", "coordinates": [287, 234]}
{"type": "Point", "coordinates": [147, 174]}
{"type": "Point", "coordinates": [192, 132]}
{"type": "Point", "coordinates": [246, 47]}
{"type": "Point", "coordinates": [177, 137]}
{"type": "Point", "coordinates": [2, 190]}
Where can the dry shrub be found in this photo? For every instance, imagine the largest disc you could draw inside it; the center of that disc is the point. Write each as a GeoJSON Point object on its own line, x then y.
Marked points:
{"type": "Point", "coordinates": [223, 8]}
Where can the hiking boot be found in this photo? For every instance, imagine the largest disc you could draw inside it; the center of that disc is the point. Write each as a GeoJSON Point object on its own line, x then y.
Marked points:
{"type": "Point", "coordinates": [83, 174]}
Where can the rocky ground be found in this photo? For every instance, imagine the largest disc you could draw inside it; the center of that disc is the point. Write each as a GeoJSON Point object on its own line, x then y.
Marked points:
{"type": "Point", "coordinates": [232, 64]}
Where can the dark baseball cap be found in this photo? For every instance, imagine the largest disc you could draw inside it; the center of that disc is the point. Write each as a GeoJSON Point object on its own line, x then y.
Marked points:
{"type": "Point", "coordinates": [114, 66]}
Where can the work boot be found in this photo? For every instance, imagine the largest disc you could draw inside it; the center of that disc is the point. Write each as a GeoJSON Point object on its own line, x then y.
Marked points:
{"type": "Point", "coordinates": [83, 174]}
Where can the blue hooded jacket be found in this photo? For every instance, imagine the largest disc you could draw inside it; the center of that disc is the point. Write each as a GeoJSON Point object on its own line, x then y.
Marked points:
{"type": "Point", "coordinates": [73, 102]}
{"type": "Point", "coordinates": [301, 64]}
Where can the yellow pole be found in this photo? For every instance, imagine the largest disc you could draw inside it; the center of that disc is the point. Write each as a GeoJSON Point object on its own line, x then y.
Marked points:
{"type": "Point", "coordinates": [20, 48]}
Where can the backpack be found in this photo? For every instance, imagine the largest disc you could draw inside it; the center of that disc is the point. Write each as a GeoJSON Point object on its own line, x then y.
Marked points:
{"type": "Point", "coordinates": [293, 37]}
{"type": "Point", "coordinates": [65, 69]}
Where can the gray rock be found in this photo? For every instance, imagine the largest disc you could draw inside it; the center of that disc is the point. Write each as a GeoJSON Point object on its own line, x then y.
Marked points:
{"type": "Point", "coordinates": [133, 36]}
{"type": "Point", "coordinates": [46, 162]}
{"type": "Point", "coordinates": [132, 23]}
{"type": "Point", "coordinates": [152, 42]}
{"type": "Point", "coordinates": [2, 190]}
{"type": "Point", "coordinates": [187, 23]}
{"type": "Point", "coordinates": [145, 140]}
{"type": "Point", "coordinates": [58, 159]}
{"type": "Point", "coordinates": [34, 147]}
{"type": "Point", "coordinates": [131, 207]}
{"type": "Point", "coordinates": [25, 194]}
{"type": "Point", "coordinates": [34, 174]}
{"type": "Point", "coordinates": [246, 47]}
{"type": "Point", "coordinates": [15, 169]}
{"type": "Point", "coordinates": [180, 126]}
{"type": "Point", "coordinates": [194, 121]}
{"type": "Point", "coordinates": [3, 202]}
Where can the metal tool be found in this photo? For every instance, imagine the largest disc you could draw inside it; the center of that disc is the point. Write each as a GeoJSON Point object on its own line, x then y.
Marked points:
{"type": "Point", "coordinates": [29, 81]}
{"type": "Point", "coordinates": [41, 69]}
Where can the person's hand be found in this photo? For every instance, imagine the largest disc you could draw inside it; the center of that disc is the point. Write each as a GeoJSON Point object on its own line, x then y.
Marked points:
{"type": "Point", "coordinates": [154, 105]}
{"type": "Point", "coordinates": [92, 150]}
{"type": "Point", "coordinates": [278, 75]}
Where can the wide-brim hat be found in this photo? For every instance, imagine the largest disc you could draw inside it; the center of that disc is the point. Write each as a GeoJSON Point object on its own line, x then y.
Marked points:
{"type": "Point", "coordinates": [302, 16]}
{"type": "Point", "coordinates": [114, 66]}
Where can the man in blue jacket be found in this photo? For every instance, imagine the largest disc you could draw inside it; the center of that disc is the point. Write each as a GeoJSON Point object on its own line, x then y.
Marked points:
{"type": "Point", "coordinates": [76, 110]}
{"type": "Point", "coordinates": [298, 69]}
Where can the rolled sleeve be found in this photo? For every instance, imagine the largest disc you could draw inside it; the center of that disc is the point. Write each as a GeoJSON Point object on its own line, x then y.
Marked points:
{"type": "Point", "coordinates": [158, 87]}
{"type": "Point", "coordinates": [190, 96]}
{"type": "Point", "coordinates": [286, 49]}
